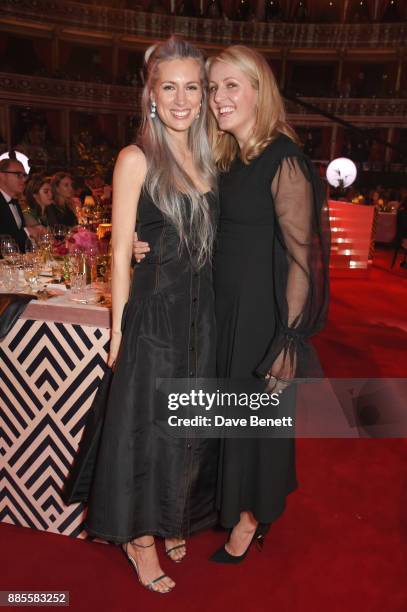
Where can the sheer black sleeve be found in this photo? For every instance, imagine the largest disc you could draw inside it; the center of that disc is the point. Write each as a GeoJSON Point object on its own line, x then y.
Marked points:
{"type": "Point", "coordinates": [300, 268]}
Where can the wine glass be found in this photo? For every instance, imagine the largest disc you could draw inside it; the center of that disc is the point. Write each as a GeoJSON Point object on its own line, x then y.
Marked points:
{"type": "Point", "coordinates": [59, 232]}
{"type": "Point", "coordinates": [10, 250]}
{"type": "Point", "coordinates": [3, 239]}
{"type": "Point", "coordinates": [31, 245]}
{"type": "Point", "coordinates": [45, 238]}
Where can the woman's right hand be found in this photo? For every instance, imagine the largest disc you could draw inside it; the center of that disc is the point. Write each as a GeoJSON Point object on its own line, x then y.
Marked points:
{"type": "Point", "coordinates": [115, 341]}
{"type": "Point", "coordinates": [139, 248]}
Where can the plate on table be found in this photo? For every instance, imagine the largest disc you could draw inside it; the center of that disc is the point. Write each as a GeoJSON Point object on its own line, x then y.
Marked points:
{"type": "Point", "coordinates": [89, 296]}
{"type": "Point", "coordinates": [46, 272]}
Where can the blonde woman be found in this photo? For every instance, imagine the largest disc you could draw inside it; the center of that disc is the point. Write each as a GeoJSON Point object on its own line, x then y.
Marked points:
{"type": "Point", "coordinates": [61, 212]}
{"type": "Point", "coordinates": [146, 482]}
{"type": "Point", "coordinates": [271, 295]}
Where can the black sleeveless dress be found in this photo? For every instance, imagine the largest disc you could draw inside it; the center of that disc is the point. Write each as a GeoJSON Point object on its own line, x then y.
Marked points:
{"type": "Point", "coordinates": [272, 224]}
{"type": "Point", "coordinates": [145, 480]}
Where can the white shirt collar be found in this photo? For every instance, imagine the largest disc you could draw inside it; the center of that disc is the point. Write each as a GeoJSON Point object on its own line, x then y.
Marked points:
{"type": "Point", "coordinates": [6, 196]}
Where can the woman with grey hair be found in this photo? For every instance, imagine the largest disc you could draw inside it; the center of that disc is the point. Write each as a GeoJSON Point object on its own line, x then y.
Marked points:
{"type": "Point", "coordinates": [147, 483]}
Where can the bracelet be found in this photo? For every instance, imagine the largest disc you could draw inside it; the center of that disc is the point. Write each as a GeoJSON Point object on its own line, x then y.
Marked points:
{"type": "Point", "coordinates": [283, 380]}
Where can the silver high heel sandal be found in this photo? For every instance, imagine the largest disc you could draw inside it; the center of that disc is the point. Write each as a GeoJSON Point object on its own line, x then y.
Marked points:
{"type": "Point", "coordinates": [168, 552]}
{"type": "Point", "coordinates": [148, 585]}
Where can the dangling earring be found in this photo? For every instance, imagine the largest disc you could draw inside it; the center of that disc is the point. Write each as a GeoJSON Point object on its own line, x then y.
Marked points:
{"type": "Point", "coordinates": [153, 110]}
{"type": "Point", "coordinates": [199, 112]}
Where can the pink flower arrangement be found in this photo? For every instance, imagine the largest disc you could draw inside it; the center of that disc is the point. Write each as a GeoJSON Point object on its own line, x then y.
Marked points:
{"type": "Point", "coordinates": [59, 248]}
{"type": "Point", "coordinates": [82, 239]}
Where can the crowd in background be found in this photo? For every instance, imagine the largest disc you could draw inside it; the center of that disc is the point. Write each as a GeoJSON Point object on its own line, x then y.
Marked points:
{"type": "Point", "coordinates": [68, 200]}
{"type": "Point", "coordinates": [384, 198]}
{"type": "Point", "coordinates": [60, 199]}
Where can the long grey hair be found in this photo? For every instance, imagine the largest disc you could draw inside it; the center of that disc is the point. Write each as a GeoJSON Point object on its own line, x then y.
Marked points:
{"type": "Point", "coordinates": [166, 181]}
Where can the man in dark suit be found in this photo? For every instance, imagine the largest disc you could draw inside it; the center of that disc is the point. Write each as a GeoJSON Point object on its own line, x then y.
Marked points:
{"type": "Point", "coordinates": [12, 182]}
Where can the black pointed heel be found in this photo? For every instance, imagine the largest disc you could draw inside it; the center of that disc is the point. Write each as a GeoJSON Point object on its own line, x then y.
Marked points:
{"type": "Point", "coordinates": [260, 534]}
{"type": "Point", "coordinates": [222, 555]}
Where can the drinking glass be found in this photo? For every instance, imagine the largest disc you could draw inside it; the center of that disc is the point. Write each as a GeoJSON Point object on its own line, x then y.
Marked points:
{"type": "Point", "coordinates": [10, 278]}
{"type": "Point", "coordinates": [45, 245]}
{"type": "Point", "coordinates": [9, 249]}
{"type": "Point", "coordinates": [31, 274]}
{"type": "Point", "coordinates": [31, 245]}
{"type": "Point", "coordinates": [3, 239]}
{"type": "Point", "coordinates": [2, 273]}
{"type": "Point", "coordinates": [57, 269]}
{"type": "Point", "coordinates": [59, 232]}
{"type": "Point", "coordinates": [76, 260]}
{"type": "Point", "coordinates": [78, 286]}
{"type": "Point", "coordinates": [93, 252]}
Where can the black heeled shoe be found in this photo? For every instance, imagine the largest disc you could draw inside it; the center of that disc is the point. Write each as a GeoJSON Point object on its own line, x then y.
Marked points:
{"type": "Point", "coordinates": [168, 552]}
{"type": "Point", "coordinates": [147, 585]}
{"type": "Point", "coordinates": [222, 555]}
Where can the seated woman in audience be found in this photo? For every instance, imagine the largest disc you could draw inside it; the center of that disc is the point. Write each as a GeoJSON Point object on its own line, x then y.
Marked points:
{"type": "Point", "coordinates": [61, 212]}
{"type": "Point", "coordinates": [38, 196]}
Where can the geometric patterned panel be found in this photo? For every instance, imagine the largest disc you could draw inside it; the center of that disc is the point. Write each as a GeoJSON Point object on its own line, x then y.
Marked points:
{"type": "Point", "coordinates": [49, 373]}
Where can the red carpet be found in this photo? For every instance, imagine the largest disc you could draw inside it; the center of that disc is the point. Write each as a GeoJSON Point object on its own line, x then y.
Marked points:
{"type": "Point", "coordinates": [341, 546]}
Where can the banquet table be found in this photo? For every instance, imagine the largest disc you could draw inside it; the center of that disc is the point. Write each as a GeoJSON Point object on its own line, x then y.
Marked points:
{"type": "Point", "coordinates": [52, 361]}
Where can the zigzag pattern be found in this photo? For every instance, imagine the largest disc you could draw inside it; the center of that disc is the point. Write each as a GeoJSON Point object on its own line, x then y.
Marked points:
{"type": "Point", "coordinates": [48, 377]}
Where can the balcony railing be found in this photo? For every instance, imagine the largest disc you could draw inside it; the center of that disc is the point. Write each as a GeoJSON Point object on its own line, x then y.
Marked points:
{"type": "Point", "coordinates": [362, 108]}
{"type": "Point", "coordinates": [22, 89]}
{"type": "Point", "coordinates": [153, 26]}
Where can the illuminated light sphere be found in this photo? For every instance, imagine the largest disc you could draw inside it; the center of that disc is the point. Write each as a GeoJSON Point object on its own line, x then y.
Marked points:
{"type": "Point", "coordinates": [341, 172]}
{"type": "Point", "coordinates": [19, 157]}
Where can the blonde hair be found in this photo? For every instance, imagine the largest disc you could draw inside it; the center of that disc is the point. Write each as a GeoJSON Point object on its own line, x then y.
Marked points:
{"type": "Point", "coordinates": [270, 113]}
{"type": "Point", "coordinates": [55, 182]}
{"type": "Point", "coordinates": [166, 181]}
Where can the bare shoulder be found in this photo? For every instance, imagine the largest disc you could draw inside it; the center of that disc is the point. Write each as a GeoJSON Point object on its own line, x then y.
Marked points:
{"type": "Point", "coordinates": [132, 158]}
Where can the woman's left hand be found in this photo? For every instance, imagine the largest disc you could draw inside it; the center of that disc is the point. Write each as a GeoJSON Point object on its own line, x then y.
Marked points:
{"type": "Point", "coordinates": [140, 249]}
{"type": "Point", "coordinates": [281, 373]}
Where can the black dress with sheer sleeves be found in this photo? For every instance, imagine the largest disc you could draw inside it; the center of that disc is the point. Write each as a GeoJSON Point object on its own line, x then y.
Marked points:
{"type": "Point", "coordinates": [271, 287]}
{"type": "Point", "coordinates": [141, 479]}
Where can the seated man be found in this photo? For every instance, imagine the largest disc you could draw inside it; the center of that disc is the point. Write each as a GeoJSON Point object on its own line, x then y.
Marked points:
{"type": "Point", "coordinates": [12, 181]}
